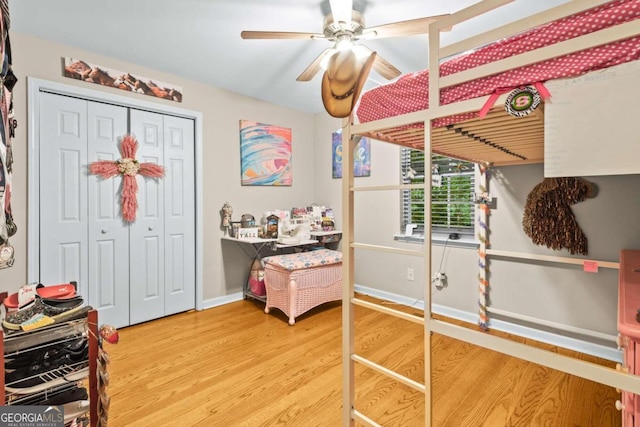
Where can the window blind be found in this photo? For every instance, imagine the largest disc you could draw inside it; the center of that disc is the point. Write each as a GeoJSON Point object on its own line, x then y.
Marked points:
{"type": "Point", "coordinates": [452, 201]}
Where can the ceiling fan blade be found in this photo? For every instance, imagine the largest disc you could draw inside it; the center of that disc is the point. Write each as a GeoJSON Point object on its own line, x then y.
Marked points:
{"type": "Point", "coordinates": [315, 66]}
{"type": "Point", "coordinates": [385, 69]}
{"type": "Point", "coordinates": [279, 35]}
{"type": "Point", "coordinates": [382, 66]}
{"type": "Point", "coordinates": [341, 11]}
{"type": "Point", "coordinates": [403, 28]}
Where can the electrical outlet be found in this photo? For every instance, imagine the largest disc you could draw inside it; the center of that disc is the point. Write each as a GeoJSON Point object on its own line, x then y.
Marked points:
{"type": "Point", "coordinates": [410, 274]}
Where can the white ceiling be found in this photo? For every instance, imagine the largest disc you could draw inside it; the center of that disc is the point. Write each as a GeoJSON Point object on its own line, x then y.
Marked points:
{"type": "Point", "coordinates": [200, 39]}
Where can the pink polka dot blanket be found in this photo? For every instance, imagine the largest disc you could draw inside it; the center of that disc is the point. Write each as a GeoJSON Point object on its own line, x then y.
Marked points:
{"type": "Point", "coordinates": [411, 92]}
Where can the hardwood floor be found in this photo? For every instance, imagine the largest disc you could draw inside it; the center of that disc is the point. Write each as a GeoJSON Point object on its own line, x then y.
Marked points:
{"type": "Point", "coordinates": [236, 366]}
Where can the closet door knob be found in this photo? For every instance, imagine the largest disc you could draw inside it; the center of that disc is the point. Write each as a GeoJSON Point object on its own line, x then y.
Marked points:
{"type": "Point", "coordinates": [619, 405]}
{"type": "Point", "coordinates": [150, 228]}
{"type": "Point", "coordinates": [103, 231]}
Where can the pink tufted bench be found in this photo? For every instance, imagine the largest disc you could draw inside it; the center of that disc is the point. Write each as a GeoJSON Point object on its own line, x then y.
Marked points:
{"type": "Point", "coordinates": [296, 283]}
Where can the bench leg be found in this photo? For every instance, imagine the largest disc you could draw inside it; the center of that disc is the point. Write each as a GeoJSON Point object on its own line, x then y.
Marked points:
{"type": "Point", "coordinates": [292, 301]}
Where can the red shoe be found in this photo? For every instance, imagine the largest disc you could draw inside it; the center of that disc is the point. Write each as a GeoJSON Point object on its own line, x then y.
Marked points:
{"type": "Point", "coordinates": [27, 293]}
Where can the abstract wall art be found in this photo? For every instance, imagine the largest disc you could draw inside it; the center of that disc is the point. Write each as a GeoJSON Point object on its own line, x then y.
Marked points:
{"type": "Point", "coordinates": [265, 154]}
{"type": "Point", "coordinates": [361, 156]}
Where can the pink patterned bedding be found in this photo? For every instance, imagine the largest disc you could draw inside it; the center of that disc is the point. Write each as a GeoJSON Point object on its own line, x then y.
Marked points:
{"type": "Point", "coordinates": [411, 92]}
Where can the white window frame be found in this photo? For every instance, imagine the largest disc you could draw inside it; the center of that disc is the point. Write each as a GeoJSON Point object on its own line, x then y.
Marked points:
{"type": "Point", "coordinates": [412, 173]}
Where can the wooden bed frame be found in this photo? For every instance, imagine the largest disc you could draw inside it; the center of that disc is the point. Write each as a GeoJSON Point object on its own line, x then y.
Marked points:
{"type": "Point", "coordinates": [387, 130]}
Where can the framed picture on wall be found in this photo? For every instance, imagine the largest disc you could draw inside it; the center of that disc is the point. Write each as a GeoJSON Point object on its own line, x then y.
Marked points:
{"type": "Point", "coordinates": [265, 154]}
{"type": "Point", "coordinates": [361, 156]}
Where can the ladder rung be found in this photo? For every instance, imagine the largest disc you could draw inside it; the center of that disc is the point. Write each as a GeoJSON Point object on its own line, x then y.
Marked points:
{"type": "Point", "coordinates": [363, 419]}
{"type": "Point", "coordinates": [387, 249]}
{"type": "Point", "coordinates": [390, 311]}
{"type": "Point", "coordinates": [389, 187]}
{"type": "Point", "coordinates": [388, 372]}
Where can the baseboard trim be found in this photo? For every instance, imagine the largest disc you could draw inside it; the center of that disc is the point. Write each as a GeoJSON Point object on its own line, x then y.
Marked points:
{"type": "Point", "coordinates": [218, 301]}
{"type": "Point", "coordinates": [582, 346]}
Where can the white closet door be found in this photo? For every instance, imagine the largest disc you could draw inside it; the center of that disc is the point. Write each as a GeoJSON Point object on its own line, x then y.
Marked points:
{"type": "Point", "coordinates": [63, 190]}
{"type": "Point", "coordinates": [108, 235]}
{"type": "Point", "coordinates": [146, 245]}
{"type": "Point", "coordinates": [179, 214]}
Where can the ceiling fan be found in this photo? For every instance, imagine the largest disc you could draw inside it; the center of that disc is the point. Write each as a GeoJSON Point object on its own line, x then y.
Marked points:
{"type": "Point", "coordinates": [344, 26]}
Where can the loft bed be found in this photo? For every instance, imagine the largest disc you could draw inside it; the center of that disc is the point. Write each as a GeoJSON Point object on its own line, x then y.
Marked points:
{"type": "Point", "coordinates": [500, 138]}
{"type": "Point", "coordinates": [448, 99]}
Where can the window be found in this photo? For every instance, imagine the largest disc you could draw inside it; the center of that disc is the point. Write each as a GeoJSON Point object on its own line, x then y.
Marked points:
{"type": "Point", "coordinates": [452, 201]}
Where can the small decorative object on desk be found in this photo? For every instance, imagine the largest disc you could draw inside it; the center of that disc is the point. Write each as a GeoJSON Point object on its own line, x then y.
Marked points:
{"type": "Point", "coordinates": [247, 233]}
{"type": "Point", "coordinates": [248, 220]}
{"type": "Point", "coordinates": [227, 211]}
{"type": "Point", "coordinates": [299, 213]}
{"type": "Point", "coordinates": [235, 227]}
{"type": "Point", "coordinates": [327, 225]}
{"type": "Point", "coordinates": [272, 227]}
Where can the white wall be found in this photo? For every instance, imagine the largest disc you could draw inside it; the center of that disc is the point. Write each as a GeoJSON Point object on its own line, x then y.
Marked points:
{"type": "Point", "coordinates": [557, 292]}
{"type": "Point", "coordinates": [221, 110]}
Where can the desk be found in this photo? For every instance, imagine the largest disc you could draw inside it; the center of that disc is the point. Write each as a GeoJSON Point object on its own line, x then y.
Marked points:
{"type": "Point", "coordinates": [255, 248]}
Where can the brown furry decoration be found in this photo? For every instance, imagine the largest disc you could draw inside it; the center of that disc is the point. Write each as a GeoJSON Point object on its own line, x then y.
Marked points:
{"type": "Point", "coordinates": [548, 219]}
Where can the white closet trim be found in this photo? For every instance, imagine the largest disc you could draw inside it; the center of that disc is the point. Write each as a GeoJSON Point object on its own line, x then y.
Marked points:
{"type": "Point", "coordinates": [35, 87]}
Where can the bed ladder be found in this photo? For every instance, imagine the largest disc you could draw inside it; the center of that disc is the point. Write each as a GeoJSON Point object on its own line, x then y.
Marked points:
{"type": "Point", "coordinates": [350, 358]}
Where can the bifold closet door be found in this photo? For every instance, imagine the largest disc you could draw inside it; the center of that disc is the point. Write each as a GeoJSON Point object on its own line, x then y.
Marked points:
{"type": "Point", "coordinates": [63, 190]}
{"type": "Point", "coordinates": [162, 239]}
{"type": "Point", "coordinates": [108, 258]}
{"type": "Point", "coordinates": [82, 237]}
{"type": "Point", "coordinates": [146, 238]}
{"type": "Point", "coordinates": [179, 215]}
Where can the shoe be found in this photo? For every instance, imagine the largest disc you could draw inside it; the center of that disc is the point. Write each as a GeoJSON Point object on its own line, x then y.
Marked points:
{"type": "Point", "coordinates": [40, 355]}
{"type": "Point", "coordinates": [47, 380]}
{"type": "Point", "coordinates": [40, 312]}
{"type": "Point", "coordinates": [69, 395]}
{"type": "Point", "coordinates": [56, 397]}
{"type": "Point", "coordinates": [53, 360]}
{"type": "Point", "coordinates": [27, 294]}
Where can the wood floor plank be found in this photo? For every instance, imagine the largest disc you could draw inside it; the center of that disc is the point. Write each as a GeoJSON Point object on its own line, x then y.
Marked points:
{"type": "Point", "coordinates": [234, 365]}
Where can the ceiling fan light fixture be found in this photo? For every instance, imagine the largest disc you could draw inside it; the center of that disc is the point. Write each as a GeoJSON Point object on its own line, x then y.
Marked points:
{"type": "Point", "coordinates": [343, 42]}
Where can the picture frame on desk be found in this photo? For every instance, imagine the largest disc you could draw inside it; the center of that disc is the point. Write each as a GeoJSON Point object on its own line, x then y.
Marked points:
{"type": "Point", "coordinates": [272, 227]}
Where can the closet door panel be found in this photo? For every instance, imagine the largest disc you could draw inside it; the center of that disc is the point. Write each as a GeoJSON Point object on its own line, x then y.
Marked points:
{"type": "Point", "coordinates": [147, 300]}
{"type": "Point", "coordinates": [108, 234]}
{"type": "Point", "coordinates": [179, 215]}
{"type": "Point", "coordinates": [63, 190]}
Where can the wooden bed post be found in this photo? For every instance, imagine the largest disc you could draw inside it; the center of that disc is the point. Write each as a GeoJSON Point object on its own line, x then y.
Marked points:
{"type": "Point", "coordinates": [434, 100]}
{"type": "Point", "coordinates": [348, 365]}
